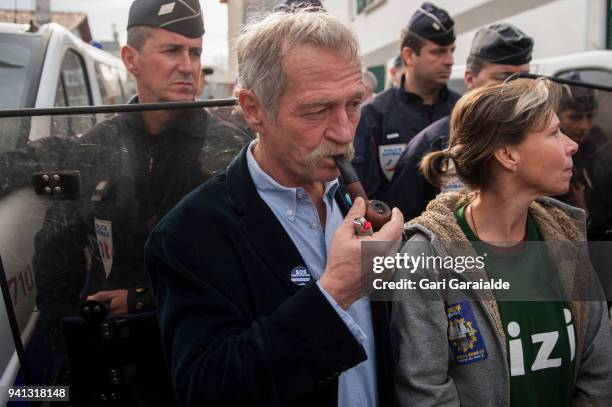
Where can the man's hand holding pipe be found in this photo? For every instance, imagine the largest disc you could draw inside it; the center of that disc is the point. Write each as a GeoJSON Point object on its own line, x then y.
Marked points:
{"type": "Point", "coordinates": [342, 278]}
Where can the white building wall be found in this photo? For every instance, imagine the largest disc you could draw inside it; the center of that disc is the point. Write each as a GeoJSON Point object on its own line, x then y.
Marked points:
{"type": "Point", "coordinates": [238, 12]}
{"type": "Point", "coordinates": [235, 12]}
{"type": "Point", "coordinates": [558, 27]}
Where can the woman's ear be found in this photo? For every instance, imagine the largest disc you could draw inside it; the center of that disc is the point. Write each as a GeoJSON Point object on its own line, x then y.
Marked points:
{"type": "Point", "coordinates": [508, 157]}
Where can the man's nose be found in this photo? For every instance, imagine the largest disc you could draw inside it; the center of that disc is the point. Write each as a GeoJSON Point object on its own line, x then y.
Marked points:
{"type": "Point", "coordinates": [185, 63]}
{"type": "Point", "coordinates": [341, 130]}
{"type": "Point", "coordinates": [449, 58]}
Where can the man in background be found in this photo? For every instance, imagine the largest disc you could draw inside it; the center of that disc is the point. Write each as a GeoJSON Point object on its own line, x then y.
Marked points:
{"type": "Point", "coordinates": [498, 52]}
{"type": "Point", "coordinates": [391, 119]}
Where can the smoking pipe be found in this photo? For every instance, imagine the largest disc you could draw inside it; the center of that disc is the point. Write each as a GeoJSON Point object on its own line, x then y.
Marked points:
{"type": "Point", "coordinates": [377, 212]}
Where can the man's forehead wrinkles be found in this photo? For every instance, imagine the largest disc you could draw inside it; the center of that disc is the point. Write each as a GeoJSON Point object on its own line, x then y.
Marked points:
{"type": "Point", "coordinates": [314, 87]}
{"type": "Point", "coordinates": [314, 101]}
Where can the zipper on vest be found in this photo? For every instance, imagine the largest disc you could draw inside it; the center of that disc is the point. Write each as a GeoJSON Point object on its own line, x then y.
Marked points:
{"type": "Point", "coordinates": [502, 345]}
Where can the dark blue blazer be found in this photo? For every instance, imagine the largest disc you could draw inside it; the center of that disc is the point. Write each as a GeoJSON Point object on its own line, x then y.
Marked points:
{"type": "Point", "coordinates": [235, 329]}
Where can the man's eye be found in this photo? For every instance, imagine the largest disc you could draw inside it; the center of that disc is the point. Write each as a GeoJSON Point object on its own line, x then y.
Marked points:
{"type": "Point", "coordinates": [318, 112]}
{"type": "Point", "coordinates": [354, 104]}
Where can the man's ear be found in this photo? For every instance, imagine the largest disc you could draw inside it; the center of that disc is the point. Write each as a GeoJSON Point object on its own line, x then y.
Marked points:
{"type": "Point", "coordinates": [508, 157]}
{"type": "Point", "coordinates": [408, 56]}
{"type": "Point", "coordinates": [254, 112]}
{"type": "Point", "coordinates": [129, 55]}
{"type": "Point", "coordinates": [469, 79]}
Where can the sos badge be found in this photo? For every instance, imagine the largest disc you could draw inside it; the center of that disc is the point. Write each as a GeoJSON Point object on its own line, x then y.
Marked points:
{"type": "Point", "coordinates": [300, 275]}
{"type": "Point", "coordinates": [464, 337]}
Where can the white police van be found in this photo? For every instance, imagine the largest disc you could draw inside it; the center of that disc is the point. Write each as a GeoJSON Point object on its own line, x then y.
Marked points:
{"type": "Point", "coordinates": [47, 68]}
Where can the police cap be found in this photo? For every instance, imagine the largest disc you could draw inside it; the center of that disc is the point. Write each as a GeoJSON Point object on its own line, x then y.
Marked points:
{"type": "Point", "coordinates": [183, 17]}
{"type": "Point", "coordinates": [433, 23]}
{"type": "Point", "coordinates": [502, 44]}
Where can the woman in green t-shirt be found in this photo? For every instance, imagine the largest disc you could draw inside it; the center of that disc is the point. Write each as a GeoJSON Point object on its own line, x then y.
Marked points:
{"type": "Point", "coordinates": [540, 337]}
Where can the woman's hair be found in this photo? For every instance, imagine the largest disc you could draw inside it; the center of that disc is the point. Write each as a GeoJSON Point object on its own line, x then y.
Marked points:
{"type": "Point", "coordinates": [486, 119]}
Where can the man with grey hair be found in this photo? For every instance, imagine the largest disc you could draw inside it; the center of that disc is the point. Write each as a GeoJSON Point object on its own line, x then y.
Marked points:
{"type": "Point", "coordinates": [257, 272]}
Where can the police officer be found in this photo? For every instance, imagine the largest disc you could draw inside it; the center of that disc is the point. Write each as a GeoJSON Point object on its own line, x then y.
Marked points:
{"type": "Point", "coordinates": [390, 120]}
{"type": "Point", "coordinates": [134, 168]}
{"type": "Point", "coordinates": [498, 51]}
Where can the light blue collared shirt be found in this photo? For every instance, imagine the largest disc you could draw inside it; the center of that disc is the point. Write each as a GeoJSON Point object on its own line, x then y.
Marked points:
{"type": "Point", "coordinates": [298, 215]}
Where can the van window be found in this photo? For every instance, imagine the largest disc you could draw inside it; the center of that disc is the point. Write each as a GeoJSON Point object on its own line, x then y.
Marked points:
{"type": "Point", "coordinates": [72, 90]}
{"type": "Point", "coordinates": [108, 81]}
{"type": "Point", "coordinates": [74, 81]}
{"type": "Point", "coordinates": [602, 117]}
{"type": "Point", "coordinates": [597, 76]}
{"type": "Point", "coordinates": [17, 59]}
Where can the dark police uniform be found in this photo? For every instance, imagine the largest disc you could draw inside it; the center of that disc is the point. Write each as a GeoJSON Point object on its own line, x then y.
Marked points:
{"type": "Point", "coordinates": [409, 190]}
{"type": "Point", "coordinates": [130, 180]}
{"type": "Point", "coordinates": [392, 118]}
{"type": "Point", "coordinates": [387, 124]}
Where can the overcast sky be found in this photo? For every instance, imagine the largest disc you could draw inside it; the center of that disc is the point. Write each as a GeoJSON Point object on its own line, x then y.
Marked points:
{"type": "Point", "coordinates": [103, 13]}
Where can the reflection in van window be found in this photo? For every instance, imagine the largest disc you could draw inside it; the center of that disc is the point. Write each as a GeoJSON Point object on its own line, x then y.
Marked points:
{"type": "Point", "coordinates": [17, 54]}
{"type": "Point", "coordinates": [72, 90]}
{"type": "Point", "coordinates": [596, 76]}
{"type": "Point", "coordinates": [108, 81]}
{"type": "Point", "coordinates": [73, 77]}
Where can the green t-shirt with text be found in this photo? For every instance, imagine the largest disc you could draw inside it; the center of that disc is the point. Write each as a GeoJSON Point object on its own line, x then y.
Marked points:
{"type": "Point", "coordinates": [540, 335]}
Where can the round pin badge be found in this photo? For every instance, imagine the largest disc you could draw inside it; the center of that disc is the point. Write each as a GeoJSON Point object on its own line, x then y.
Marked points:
{"type": "Point", "coordinates": [300, 275]}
